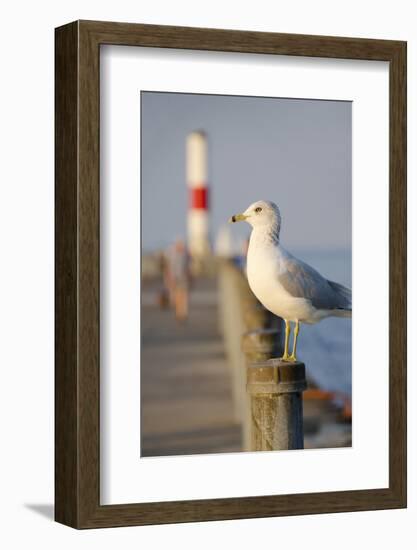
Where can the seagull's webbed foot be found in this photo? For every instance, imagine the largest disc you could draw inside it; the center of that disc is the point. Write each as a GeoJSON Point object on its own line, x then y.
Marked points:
{"type": "Point", "coordinates": [289, 358]}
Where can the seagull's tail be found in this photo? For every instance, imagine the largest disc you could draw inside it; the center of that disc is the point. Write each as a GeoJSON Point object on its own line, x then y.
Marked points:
{"type": "Point", "coordinates": [345, 295]}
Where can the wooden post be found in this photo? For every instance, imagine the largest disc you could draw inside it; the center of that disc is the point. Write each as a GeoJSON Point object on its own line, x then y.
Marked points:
{"type": "Point", "coordinates": [258, 346]}
{"type": "Point", "coordinates": [275, 389]}
{"type": "Point", "coordinates": [261, 344]}
{"type": "Point", "coordinates": [256, 317]}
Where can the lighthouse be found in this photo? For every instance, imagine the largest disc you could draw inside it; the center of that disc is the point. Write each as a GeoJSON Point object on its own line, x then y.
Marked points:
{"type": "Point", "coordinates": [198, 209]}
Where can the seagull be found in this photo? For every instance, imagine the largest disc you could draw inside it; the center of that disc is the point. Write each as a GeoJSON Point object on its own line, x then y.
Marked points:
{"type": "Point", "coordinates": [283, 284]}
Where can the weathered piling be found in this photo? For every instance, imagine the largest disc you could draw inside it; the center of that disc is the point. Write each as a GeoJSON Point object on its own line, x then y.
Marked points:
{"type": "Point", "coordinates": [261, 344]}
{"type": "Point", "coordinates": [276, 405]}
{"type": "Point", "coordinates": [258, 345]}
{"type": "Point", "coordinates": [255, 317]}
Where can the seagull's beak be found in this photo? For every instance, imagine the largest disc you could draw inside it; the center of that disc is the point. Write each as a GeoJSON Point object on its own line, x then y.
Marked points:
{"type": "Point", "coordinates": [237, 218]}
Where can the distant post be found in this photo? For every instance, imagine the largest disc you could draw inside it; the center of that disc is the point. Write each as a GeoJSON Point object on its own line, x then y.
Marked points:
{"type": "Point", "coordinates": [275, 390]}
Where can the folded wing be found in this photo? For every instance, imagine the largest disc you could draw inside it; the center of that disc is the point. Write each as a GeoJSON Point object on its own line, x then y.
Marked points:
{"type": "Point", "coordinates": [302, 281]}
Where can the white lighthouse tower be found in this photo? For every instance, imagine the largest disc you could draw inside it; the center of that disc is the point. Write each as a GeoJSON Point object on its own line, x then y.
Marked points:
{"type": "Point", "coordinates": [198, 211]}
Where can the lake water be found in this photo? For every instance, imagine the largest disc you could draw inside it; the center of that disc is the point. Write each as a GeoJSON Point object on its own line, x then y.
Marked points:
{"type": "Point", "coordinates": [326, 348]}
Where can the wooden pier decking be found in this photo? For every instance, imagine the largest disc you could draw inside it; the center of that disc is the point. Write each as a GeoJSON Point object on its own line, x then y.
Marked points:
{"type": "Point", "coordinates": [185, 384]}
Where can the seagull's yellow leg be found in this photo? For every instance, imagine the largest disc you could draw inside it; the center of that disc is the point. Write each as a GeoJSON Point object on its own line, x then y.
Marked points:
{"type": "Point", "coordinates": [293, 356]}
{"type": "Point", "coordinates": [286, 357]}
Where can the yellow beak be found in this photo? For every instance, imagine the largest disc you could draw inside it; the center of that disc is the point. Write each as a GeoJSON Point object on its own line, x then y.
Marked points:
{"type": "Point", "coordinates": [237, 218]}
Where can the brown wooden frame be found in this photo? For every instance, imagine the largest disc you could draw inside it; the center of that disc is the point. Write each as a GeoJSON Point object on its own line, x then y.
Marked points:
{"type": "Point", "coordinates": [77, 405]}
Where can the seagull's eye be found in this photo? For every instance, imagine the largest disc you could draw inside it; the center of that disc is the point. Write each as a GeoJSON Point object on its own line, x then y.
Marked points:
{"type": "Point", "coordinates": [258, 209]}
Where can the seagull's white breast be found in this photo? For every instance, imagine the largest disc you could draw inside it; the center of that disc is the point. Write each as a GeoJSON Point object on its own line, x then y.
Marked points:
{"type": "Point", "coordinates": [265, 261]}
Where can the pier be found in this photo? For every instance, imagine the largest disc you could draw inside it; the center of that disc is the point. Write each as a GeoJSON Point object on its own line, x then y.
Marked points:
{"type": "Point", "coordinates": [192, 399]}
{"type": "Point", "coordinates": [187, 405]}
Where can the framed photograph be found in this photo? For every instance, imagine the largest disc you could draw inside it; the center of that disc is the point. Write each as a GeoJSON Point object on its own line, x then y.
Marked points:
{"type": "Point", "coordinates": [207, 370]}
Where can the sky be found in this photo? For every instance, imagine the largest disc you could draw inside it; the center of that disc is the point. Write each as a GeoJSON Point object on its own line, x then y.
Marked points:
{"type": "Point", "coordinates": [294, 152]}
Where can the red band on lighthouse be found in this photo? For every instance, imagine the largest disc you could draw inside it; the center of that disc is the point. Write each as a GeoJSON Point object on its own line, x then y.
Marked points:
{"type": "Point", "coordinates": [199, 198]}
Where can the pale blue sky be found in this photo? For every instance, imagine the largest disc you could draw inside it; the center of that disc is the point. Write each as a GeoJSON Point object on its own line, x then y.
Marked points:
{"type": "Point", "coordinates": [296, 153]}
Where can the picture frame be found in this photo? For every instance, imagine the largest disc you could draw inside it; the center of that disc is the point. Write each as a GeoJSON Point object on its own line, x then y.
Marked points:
{"type": "Point", "coordinates": [77, 294]}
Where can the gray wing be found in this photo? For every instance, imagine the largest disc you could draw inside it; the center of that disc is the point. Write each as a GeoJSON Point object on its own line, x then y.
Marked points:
{"type": "Point", "coordinates": [302, 281]}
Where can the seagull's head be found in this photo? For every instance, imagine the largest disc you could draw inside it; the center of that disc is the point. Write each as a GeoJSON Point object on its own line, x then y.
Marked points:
{"type": "Point", "coordinates": [260, 214]}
